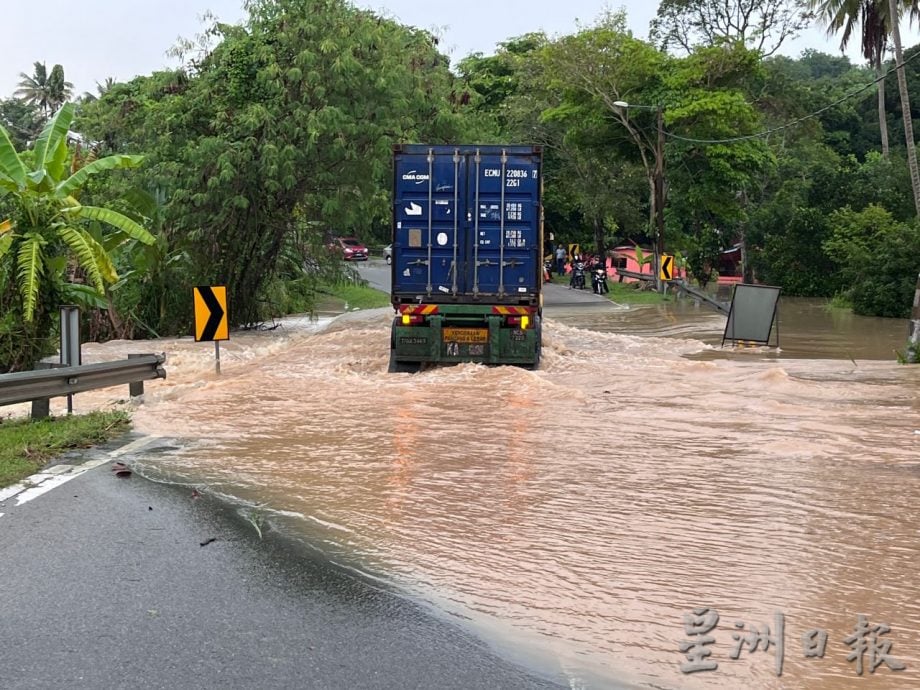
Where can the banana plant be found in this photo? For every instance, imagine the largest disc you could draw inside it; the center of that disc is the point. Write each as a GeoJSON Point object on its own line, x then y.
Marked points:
{"type": "Point", "coordinates": [642, 259]}
{"type": "Point", "coordinates": [47, 222]}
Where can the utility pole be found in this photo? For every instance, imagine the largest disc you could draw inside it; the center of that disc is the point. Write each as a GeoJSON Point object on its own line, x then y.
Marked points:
{"type": "Point", "coordinates": [658, 192]}
{"type": "Point", "coordinates": [659, 199]}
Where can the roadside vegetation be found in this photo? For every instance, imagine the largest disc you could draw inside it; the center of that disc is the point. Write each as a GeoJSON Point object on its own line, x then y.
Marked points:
{"type": "Point", "coordinates": [354, 295]}
{"type": "Point", "coordinates": [631, 293]}
{"type": "Point", "coordinates": [276, 134]}
{"type": "Point", "coordinates": [26, 446]}
{"type": "Point", "coordinates": [324, 290]}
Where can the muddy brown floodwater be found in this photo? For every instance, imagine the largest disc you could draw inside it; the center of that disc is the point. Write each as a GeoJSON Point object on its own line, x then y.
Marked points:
{"type": "Point", "coordinates": [574, 515]}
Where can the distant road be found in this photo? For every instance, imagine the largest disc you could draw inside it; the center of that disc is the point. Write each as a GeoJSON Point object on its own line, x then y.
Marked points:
{"type": "Point", "coordinates": [377, 274]}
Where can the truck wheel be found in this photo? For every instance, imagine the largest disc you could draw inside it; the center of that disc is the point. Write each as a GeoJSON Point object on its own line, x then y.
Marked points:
{"type": "Point", "coordinates": [395, 366]}
{"type": "Point", "coordinates": [402, 367]}
{"type": "Point", "coordinates": [539, 349]}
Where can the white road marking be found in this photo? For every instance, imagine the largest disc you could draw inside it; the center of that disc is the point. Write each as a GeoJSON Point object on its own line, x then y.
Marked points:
{"type": "Point", "coordinates": [11, 491]}
{"type": "Point", "coordinates": [58, 475]}
{"type": "Point", "coordinates": [134, 445]}
{"type": "Point", "coordinates": [44, 487]}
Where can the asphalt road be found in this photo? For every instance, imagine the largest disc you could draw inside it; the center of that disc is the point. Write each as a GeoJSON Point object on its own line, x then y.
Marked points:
{"type": "Point", "coordinates": [378, 275]}
{"type": "Point", "coordinates": [110, 582]}
{"type": "Point", "coordinates": [114, 582]}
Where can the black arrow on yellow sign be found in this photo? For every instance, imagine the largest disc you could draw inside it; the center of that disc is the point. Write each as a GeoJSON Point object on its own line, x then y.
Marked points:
{"type": "Point", "coordinates": [667, 267]}
{"type": "Point", "coordinates": [211, 313]}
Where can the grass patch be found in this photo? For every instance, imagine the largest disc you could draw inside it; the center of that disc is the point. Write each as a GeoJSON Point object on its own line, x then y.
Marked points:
{"type": "Point", "coordinates": [625, 293]}
{"type": "Point", "coordinates": [355, 296]}
{"type": "Point", "coordinates": [26, 446]}
{"type": "Point", "coordinates": [840, 301]}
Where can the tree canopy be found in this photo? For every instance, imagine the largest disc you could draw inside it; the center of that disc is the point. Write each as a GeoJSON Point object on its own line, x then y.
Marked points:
{"type": "Point", "coordinates": [762, 25]}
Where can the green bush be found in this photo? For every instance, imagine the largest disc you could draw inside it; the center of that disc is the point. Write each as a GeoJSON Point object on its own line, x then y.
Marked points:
{"type": "Point", "coordinates": [878, 257]}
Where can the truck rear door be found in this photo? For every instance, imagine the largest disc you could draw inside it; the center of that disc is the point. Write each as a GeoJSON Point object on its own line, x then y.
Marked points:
{"type": "Point", "coordinates": [452, 239]}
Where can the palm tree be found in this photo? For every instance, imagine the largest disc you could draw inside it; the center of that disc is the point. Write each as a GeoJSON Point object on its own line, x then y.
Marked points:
{"type": "Point", "coordinates": [106, 86]}
{"type": "Point", "coordinates": [872, 16]}
{"type": "Point", "coordinates": [46, 91]}
{"type": "Point", "coordinates": [101, 90]}
{"type": "Point", "coordinates": [879, 19]}
{"type": "Point", "coordinates": [905, 99]}
{"type": "Point", "coordinates": [34, 90]}
{"type": "Point", "coordinates": [49, 229]}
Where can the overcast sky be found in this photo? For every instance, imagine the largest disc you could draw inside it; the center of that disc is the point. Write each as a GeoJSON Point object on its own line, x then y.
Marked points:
{"type": "Point", "coordinates": [95, 39]}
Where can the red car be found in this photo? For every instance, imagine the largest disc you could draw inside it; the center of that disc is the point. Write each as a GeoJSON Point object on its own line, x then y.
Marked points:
{"type": "Point", "coordinates": [351, 248]}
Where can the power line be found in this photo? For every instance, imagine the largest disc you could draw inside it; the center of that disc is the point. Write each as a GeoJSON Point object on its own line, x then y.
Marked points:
{"type": "Point", "coordinates": [797, 121]}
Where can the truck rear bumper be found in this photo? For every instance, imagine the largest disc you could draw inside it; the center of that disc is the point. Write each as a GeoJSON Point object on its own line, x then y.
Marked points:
{"type": "Point", "coordinates": [486, 341]}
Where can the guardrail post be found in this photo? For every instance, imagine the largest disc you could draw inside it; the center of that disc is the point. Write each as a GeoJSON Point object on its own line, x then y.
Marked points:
{"type": "Point", "coordinates": [913, 331]}
{"type": "Point", "coordinates": [71, 354]}
{"type": "Point", "coordinates": [136, 388]}
{"type": "Point", "coordinates": [41, 407]}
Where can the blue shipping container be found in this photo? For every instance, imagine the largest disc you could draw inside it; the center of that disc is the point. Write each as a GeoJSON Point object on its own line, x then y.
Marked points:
{"type": "Point", "coordinates": [467, 224]}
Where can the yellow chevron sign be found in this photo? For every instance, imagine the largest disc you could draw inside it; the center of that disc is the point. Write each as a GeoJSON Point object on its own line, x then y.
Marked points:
{"type": "Point", "coordinates": [667, 267]}
{"type": "Point", "coordinates": [211, 321]}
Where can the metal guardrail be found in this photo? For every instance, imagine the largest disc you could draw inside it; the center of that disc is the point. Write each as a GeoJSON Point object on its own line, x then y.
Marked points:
{"type": "Point", "coordinates": [624, 273]}
{"type": "Point", "coordinates": [42, 384]}
{"type": "Point", "coordinates": [681, 285]}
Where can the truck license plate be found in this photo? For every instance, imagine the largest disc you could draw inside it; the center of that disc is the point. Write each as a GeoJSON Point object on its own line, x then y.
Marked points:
{"type": "Point", "coordinates": [465, 335]}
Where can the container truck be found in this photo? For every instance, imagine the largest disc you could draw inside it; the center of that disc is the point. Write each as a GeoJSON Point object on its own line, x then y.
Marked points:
{"type": "Point", "coordinates": [467, 262]}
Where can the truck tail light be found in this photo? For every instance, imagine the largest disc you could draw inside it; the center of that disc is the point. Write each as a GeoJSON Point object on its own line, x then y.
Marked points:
{"type": "Point", "coordinates": [522, 322]}
{"type": "Point", "coordinates": [412, 314]}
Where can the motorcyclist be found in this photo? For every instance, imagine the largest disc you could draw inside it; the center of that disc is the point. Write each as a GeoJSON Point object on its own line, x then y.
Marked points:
{"type": "Point", "coordinates": [578, 272]}
{"type": "Point", "coordinates": [599, 277]}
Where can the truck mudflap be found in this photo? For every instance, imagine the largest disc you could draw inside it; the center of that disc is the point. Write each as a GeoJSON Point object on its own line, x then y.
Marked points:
{"type": "Point", "coordinates": [487, 341]}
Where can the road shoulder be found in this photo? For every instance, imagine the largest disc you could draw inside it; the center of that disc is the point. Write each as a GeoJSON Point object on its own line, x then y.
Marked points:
{"type": "Point", "coordinates": [112, 582]}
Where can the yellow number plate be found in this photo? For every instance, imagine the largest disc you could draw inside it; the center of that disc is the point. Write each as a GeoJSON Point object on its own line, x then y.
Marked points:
{"type": "Point", "coordinates": [465, 335]}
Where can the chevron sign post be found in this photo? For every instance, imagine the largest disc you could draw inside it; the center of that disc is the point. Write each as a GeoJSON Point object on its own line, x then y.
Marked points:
{"type": "Point", "coordinates": [211, 322]}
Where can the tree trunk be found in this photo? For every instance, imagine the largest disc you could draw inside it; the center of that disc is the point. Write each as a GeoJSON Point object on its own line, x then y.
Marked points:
{"type": "Point", "coordinates": [905, 105]}
{"type": "Point", "coordinates": [599, 238]}
{"type": "Point", "coordinates": [652, 196]}
{"type": "Point", "coordinates": [882, 116]}
{"type": "Point", "coordinates": [747, 275]}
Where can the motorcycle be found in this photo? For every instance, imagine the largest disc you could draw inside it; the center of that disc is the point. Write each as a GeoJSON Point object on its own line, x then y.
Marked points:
{"type": "Point", "coordinates": [599, 280]}
{"type": "Point", "coordinates": [578, 275]}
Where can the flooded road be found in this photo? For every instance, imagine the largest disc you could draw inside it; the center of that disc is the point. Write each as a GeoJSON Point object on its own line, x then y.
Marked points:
{"type": "Point", "coordinates": [573, 516]}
